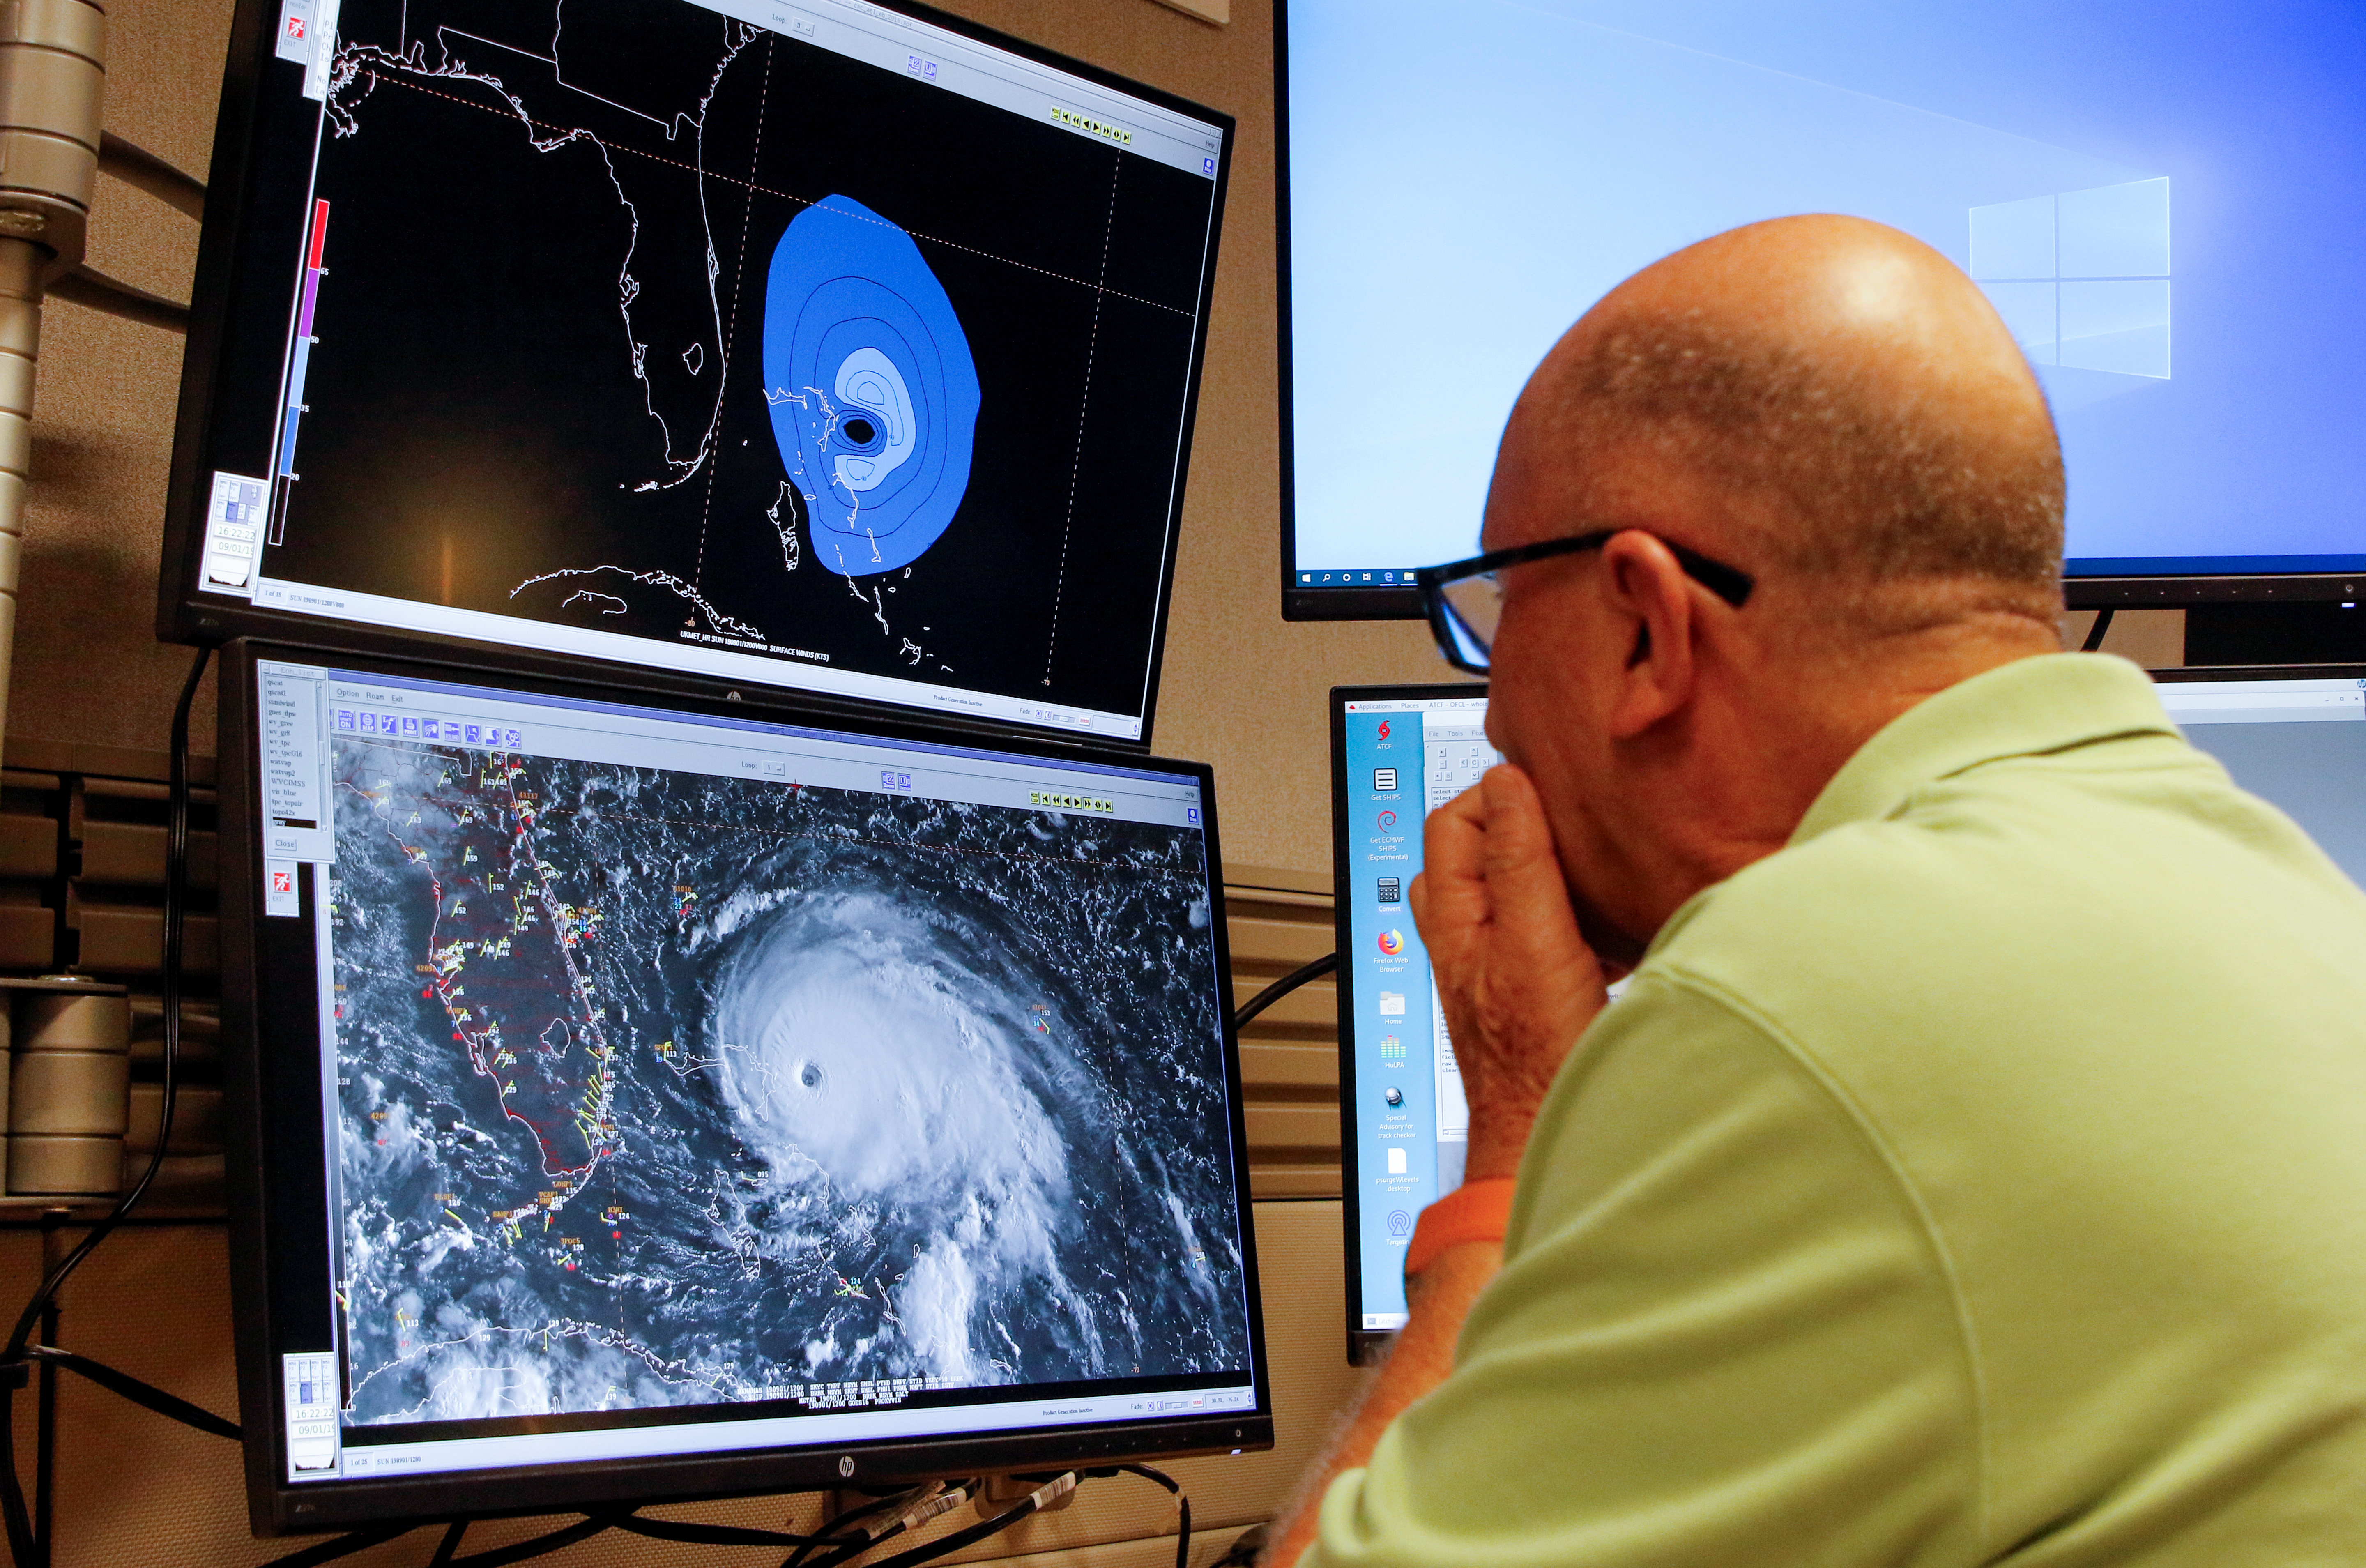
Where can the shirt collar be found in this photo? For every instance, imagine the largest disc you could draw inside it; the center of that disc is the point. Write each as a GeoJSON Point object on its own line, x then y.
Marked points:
{"type": "Point", "coordinates": [2030, 707]}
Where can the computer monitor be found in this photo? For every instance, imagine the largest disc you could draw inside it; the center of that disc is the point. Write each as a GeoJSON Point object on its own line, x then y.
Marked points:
{"type": "Point", "coordinates": [2298, 739]}
{"type": "Point", "coordinates": [2159, 200]}
{"type": "Point", "coordinates": [636, 1099]}
{"type": "Point", "coordinates": [1397, 753]}
{"type": "Point", "coordinates": [818, 345]}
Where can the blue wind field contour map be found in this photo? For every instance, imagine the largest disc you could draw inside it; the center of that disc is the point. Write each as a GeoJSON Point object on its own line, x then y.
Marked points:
{"type": "Point", "coordinates": [873, 396]}
{"type": "Point", "coordinates": [660, 1089]}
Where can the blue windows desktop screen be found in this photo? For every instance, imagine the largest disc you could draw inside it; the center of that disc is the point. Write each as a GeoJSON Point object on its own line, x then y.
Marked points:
{"type": "Point", "coordinates": [2164, 202]}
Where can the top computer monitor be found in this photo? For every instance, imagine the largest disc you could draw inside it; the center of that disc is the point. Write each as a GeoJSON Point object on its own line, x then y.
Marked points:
{"type": "Point", "coordinates": [827, 347]}
{"type": "Point", "coordinates": [2159, 200]}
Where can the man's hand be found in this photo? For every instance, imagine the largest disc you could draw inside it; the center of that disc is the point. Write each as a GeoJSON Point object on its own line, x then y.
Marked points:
{"type": "Point", "coordinates": [1517, 983]}
{"type": "Point", "coordinates": [1519, 986]}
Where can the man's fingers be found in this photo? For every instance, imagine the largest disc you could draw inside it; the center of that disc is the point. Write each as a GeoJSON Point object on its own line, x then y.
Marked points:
{"type": "Point", "coordinates": [1451, 894]}
{"type": "Point", "coordinates": [1521, 871]}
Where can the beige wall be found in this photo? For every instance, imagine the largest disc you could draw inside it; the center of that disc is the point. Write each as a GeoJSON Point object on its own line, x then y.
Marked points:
{"type": "Point", "coordinates": [1242, 690]}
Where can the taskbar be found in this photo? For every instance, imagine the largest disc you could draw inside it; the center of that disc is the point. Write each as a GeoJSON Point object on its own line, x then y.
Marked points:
{"type": "Point", "coordinates": [1376, 577]}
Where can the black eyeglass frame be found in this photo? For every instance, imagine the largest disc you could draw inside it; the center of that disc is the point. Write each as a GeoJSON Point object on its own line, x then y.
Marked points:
{"type": "Point", "coordinates": [1729, 584]}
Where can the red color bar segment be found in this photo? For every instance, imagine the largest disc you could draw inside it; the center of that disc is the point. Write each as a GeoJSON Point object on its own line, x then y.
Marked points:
{"type": "Point", "coordinates": [320, 233]}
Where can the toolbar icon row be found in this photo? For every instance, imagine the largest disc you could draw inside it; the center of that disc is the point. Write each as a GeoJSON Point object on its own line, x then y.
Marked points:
{"type": "Point", "coordinates": [415, 727]}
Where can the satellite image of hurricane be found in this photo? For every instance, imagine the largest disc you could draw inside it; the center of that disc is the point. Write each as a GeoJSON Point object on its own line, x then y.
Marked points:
{"type": "Point", "coordinates": [661, 1089]}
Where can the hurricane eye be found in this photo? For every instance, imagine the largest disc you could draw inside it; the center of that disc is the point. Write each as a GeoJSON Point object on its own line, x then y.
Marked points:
{"type": "Point", "coordinates": [810, 1076]}
{"type": "Point", "coordinates": [859, 431]}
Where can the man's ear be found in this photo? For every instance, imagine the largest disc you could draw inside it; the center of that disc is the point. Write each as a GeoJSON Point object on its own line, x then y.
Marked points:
{"type": "Point", "coordinates": [1648, 592]}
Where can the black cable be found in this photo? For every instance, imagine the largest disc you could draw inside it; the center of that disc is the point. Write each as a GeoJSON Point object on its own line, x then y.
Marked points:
{"type": "Point", "coordinates": [832, 1532]}
{"type": "Point", "coordinates": [45, 1427]}
{"type": "Point", "coordinates": [176, 900]}
{"type": "Point", "coordinates": [1282, 988]}
{"type": "Point", "coordinates": [149, 1395]}
{"type": "Point", "coordinates": [1182, 1500]}
{"type": "Point", "coordinates": [24, 1545]}
{"type": "Point", "coordinates": [137, 167]}
{"type": "Point", "coordinates": [946, 1545]}
{"type": "Point", "coordinates": [450, 1544]}
{"type": "Point", "coordinates": [2096, 633]}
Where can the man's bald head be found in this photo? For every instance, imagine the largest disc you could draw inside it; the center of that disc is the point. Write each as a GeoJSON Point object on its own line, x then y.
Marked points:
{"type": "Point", "coordinates": [1827, 401]}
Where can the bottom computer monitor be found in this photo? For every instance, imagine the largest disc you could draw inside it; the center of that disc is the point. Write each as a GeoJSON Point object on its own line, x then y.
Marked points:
{"type": "Point", "coordinates": [645, 1100]}
{"type": "Point", "coordinates": [1397, 753]}
{"type": "Point", "coordinates": [2296, 739]}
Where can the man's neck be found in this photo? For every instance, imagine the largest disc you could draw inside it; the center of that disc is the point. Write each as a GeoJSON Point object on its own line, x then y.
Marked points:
{"type": "Point", "coordinates": [1759, 762]}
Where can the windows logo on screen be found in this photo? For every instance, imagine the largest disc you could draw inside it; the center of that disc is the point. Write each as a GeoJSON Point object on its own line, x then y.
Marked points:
{"type": "Point", "coordinates": [2081, 277]}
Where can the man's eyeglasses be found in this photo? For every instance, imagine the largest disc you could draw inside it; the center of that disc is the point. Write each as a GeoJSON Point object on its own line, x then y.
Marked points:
{"type": "Point", "coordinates": [1464, 600]}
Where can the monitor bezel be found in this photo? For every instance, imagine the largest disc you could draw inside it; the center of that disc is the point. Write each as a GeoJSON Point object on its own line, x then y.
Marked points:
{"type": "Point", "coordinates": [2103, 588]}
{"type": "Point", "coordinates": [2203, 674]}
{"type": "Point", "coordinates": [187, 616]}
{"type": "Point", "coordinates": [1365, 1346]}
{"type": "Point", "coordinates": [249, 1009]}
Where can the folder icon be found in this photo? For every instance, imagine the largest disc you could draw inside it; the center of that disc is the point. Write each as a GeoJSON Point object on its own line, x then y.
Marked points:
{"type": "Point", "coordinates": [1392, 1004]}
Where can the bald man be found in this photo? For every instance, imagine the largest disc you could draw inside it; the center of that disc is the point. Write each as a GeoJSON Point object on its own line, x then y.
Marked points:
{"type": "Point", "coordinates": [1975, 1170]}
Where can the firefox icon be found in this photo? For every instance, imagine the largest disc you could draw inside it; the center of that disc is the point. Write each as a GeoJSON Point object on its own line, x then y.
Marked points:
{"type": "Point", "coordinates": [1392, 942]}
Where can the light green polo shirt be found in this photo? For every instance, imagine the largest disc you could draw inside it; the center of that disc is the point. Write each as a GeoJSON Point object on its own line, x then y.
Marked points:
{"type": "Point", "coordinates": [1982, 1179]}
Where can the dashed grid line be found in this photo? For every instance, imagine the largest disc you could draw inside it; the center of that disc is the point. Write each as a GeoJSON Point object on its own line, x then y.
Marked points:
{"type": "Point", "coordinates": [1077, 469]}
{"type": "Point", "coordinates": [731, 330]}
{"type": "Point", "coordinates": [513, 113]}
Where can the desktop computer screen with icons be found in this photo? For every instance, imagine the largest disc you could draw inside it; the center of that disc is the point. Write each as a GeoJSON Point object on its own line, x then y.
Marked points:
{"type": "Point", "coordinates": [2295, 738]}
{"type": "Point", "coordinates": [1397, 753]}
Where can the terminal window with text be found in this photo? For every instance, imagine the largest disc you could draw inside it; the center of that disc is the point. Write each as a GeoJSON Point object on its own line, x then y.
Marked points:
{"type": "Point", "coordinates": [813, 345]}
{"type": "Point", "coordinates": [669, 1086]}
